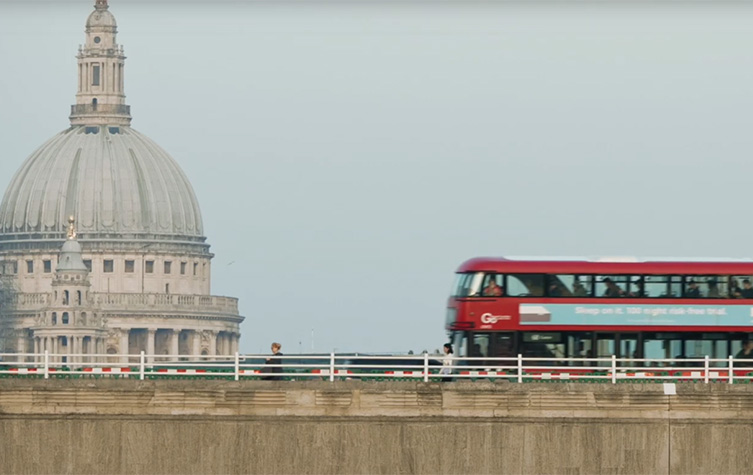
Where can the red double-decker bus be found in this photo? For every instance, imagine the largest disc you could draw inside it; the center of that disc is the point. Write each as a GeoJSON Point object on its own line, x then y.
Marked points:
{"type": "Point", "coordinates": [589, 309]}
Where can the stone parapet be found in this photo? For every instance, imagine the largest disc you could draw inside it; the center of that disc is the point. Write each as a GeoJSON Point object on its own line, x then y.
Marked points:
{"type": "Point", "coordinates": [376, 399]}
{"type": "Point", "coordinates": [131, 426]}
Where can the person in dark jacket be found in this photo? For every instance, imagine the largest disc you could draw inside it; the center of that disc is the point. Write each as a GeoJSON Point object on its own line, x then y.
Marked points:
{"type": "Point", "coordinates": [273, 363]}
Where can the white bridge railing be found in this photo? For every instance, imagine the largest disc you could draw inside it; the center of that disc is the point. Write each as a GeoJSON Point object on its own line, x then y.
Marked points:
{"type": "Point", "coordinates": [427, 368]}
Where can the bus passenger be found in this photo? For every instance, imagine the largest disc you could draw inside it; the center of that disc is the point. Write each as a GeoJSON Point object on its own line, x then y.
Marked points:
{"type": "Point", "coordinates": [492, 289]}
{"type": "Point", "coordinates": [713, 289]}
{"type": "Point", "coordinates": [747, 292]}
{"type": "Point", "coordinates": [555, 290]}
{"type": "Point", "coordinates": [579, 290]}
{"type": "Point", "coordinates": [613, 290]}
{"type": "Point", "coordinates": [639, 290]}
{"type": "Point", "coordinates": [692, 292]}
{"type": "Point", "coordinates": [746, 352]}
{"type": "Point", "coordinates": [734, 289]}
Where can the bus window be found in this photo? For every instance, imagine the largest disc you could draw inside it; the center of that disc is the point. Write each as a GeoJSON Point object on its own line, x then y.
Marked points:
{"type": "Point", "coordinates": [467, 284]}
{"type": "Point", "coordinates": [502, 345]}
{"type": "Point", "coordinates": [459, 342]}
{"type": "Point", "coordinates": [542, 345]}
{"type": "Point", "coordinates": [629, 346]}
{"type": "Point", "coordinates": [740, 287]}
{"type": "Point", "coordinates": [480, 345]}
{"type": "Point", "coordinates": [605, 348]}
{"type": "Point", "coordinates": [611, 286]}
{"type": "Point", "coordinates": [675, 286]}
{"type": "Point", "coordinates": [525, 285]}
{"type": "Point", "coordinates": [493, 285]}
{"type": "Point", "coordinates": [655, 286]}
{"type": "Point", "coordinates": [705, 287]}
{"type": "Point", "coordinates": [568, 285]}
{"type": "Point", "coordinates": [713, 287]}
{"type": "Point", "coordinates": [662, 346]}
{"type": "Point", "coordinates": [579, 345]}
{"type": "Point", "coordinates": [712, 344]}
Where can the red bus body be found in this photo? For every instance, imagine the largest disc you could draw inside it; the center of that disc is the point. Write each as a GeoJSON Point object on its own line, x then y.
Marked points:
{"type": "Point", "coordinates": [675, 308]}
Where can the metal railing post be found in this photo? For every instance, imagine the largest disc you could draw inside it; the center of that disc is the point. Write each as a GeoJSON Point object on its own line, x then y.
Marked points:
{"type": "Point", "coordinates": [614, 369]}
{"type": "Point", "coordinates": [520, 368]}
{"type": "Point", "coordinates": [332, 366]}
{"type": "Point", "coordinates": [731, 376]}
{"type": "Point", "coordinates": [706, 369]}
{"type": "Point", "coordinates": [141, 366]}
{"type": "Point", "coordinates": [237, 368]}
{"type": "Point", "coordinates": [426, 367]}
{"type": "Point", "coordinates": [46, 364]}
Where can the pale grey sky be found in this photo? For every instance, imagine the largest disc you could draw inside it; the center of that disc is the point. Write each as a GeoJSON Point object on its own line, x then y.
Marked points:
{"type": "Point", "coordinates": [348, 156]}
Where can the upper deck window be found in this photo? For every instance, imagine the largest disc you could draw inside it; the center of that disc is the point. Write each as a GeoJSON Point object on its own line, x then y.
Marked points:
{"type": "Point", "coordinates": [466, 284]}
{"type": "Point", "coordinates": [493, 285]}
{"type": "Point", "coordinates": [612, 286]}
{"type": "Point", "coordinates": [569, 285]}
{"type": "Point", "coordinates": [525, 285]}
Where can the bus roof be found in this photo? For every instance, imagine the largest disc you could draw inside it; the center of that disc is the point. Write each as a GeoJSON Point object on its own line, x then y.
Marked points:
{"type": "Point", "coordinates": [610, 266]}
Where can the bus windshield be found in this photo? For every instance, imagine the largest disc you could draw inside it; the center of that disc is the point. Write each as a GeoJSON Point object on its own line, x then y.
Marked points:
{"type": "Point", "coordinates": [467, 284]}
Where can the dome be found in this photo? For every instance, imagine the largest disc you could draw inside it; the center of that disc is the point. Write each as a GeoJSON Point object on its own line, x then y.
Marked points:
{"type": "Point", "coordinates": [70, 257]}
{"type": "Point", "coordinates": [114, 180]}
{"type": "Point", "coordinates": [101, 18]}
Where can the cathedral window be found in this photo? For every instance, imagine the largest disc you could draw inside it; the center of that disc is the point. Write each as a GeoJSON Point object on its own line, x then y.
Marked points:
{"type": "Point", "coordinates": [149, 267]}
{"type": "Point", "coordinates": [108, 266]}
{"type": "Point", "coordinates": [65, 318]}
{"type": "Point", "coordinates": [129, 266]}
{"type": "Point", "coordinates": [54, 318]}
{"type": "Point", "coordinates": [182, 268]}
{"type": "Point", "coordinates": [78, 297]}
{"type": "Point", "coordinates": [47, 266]}
{"type": "Point", "coordinates": [95, 75]}
{"type": "Point", "coordinates": [29, 267]}
{"type": "Point", "coordinates": [195, 268]}
{"type": "Point", "coordinates": [168, 267]}
{"type": "Point", "coordinates": [66, 297]}
{"type": "Point", "coordinates": [11, 267]}
{"type": "Point", "coordinates": [88, 264]}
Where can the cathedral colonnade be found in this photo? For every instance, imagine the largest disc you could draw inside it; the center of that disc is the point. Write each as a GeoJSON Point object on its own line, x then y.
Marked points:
{"type": "Point", "coordinates": [69, 348]}
{"type": "Point", "coordinates": [169, 342]}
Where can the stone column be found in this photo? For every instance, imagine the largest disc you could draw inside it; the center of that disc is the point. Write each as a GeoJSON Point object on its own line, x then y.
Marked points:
{"type": "Point", "coordinates": [74, 349]}
{"type": "Point", "coordinates": [150, 344]}
{"type": "Point", "coordinates": [124, 345]}
{"type": "Point", "coordinates": [20, 344]}
{"type": "Point", "coordinates": [174, 342]}
{"type": "Point", "coordinates": [196, 350]}
{"type": "Point", "coordinates": [56, 347]}
{"type": "Point", "coordinates": [36, 347]}
{"type": "Point", "coordinates": [212, 343]}
{"type": "Point", "coordinates": [220, 343]}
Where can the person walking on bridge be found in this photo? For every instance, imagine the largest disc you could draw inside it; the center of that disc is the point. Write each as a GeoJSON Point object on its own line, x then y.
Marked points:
{"type": "Point", "coordinates": [273, 363]}
{"type": "Point", "coordinates": [447, 362]}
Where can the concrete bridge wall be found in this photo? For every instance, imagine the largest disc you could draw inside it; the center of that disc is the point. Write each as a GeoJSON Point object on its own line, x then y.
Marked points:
{"type": "Point", "coordinates": [127, 426]}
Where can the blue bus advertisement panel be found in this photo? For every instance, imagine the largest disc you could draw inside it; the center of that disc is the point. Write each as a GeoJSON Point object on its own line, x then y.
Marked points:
{"type": "Point", "coordinates": [640, 315]}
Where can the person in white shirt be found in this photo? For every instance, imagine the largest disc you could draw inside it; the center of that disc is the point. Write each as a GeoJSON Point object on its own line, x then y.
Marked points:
{"type": "Point", "coordinates": [447, 362]}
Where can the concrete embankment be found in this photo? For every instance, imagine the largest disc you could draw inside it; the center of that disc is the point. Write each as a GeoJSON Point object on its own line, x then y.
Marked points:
{"type": "Point", "coordinates": [127, 426]}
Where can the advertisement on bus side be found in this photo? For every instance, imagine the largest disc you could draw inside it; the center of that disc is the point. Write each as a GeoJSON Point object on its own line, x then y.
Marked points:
{"type": "Point", "coordinates": [659, 315]}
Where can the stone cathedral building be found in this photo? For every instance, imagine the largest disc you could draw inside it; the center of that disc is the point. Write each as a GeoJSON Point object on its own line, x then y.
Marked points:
{"type": "Point", "coordinates": [102, 248]}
